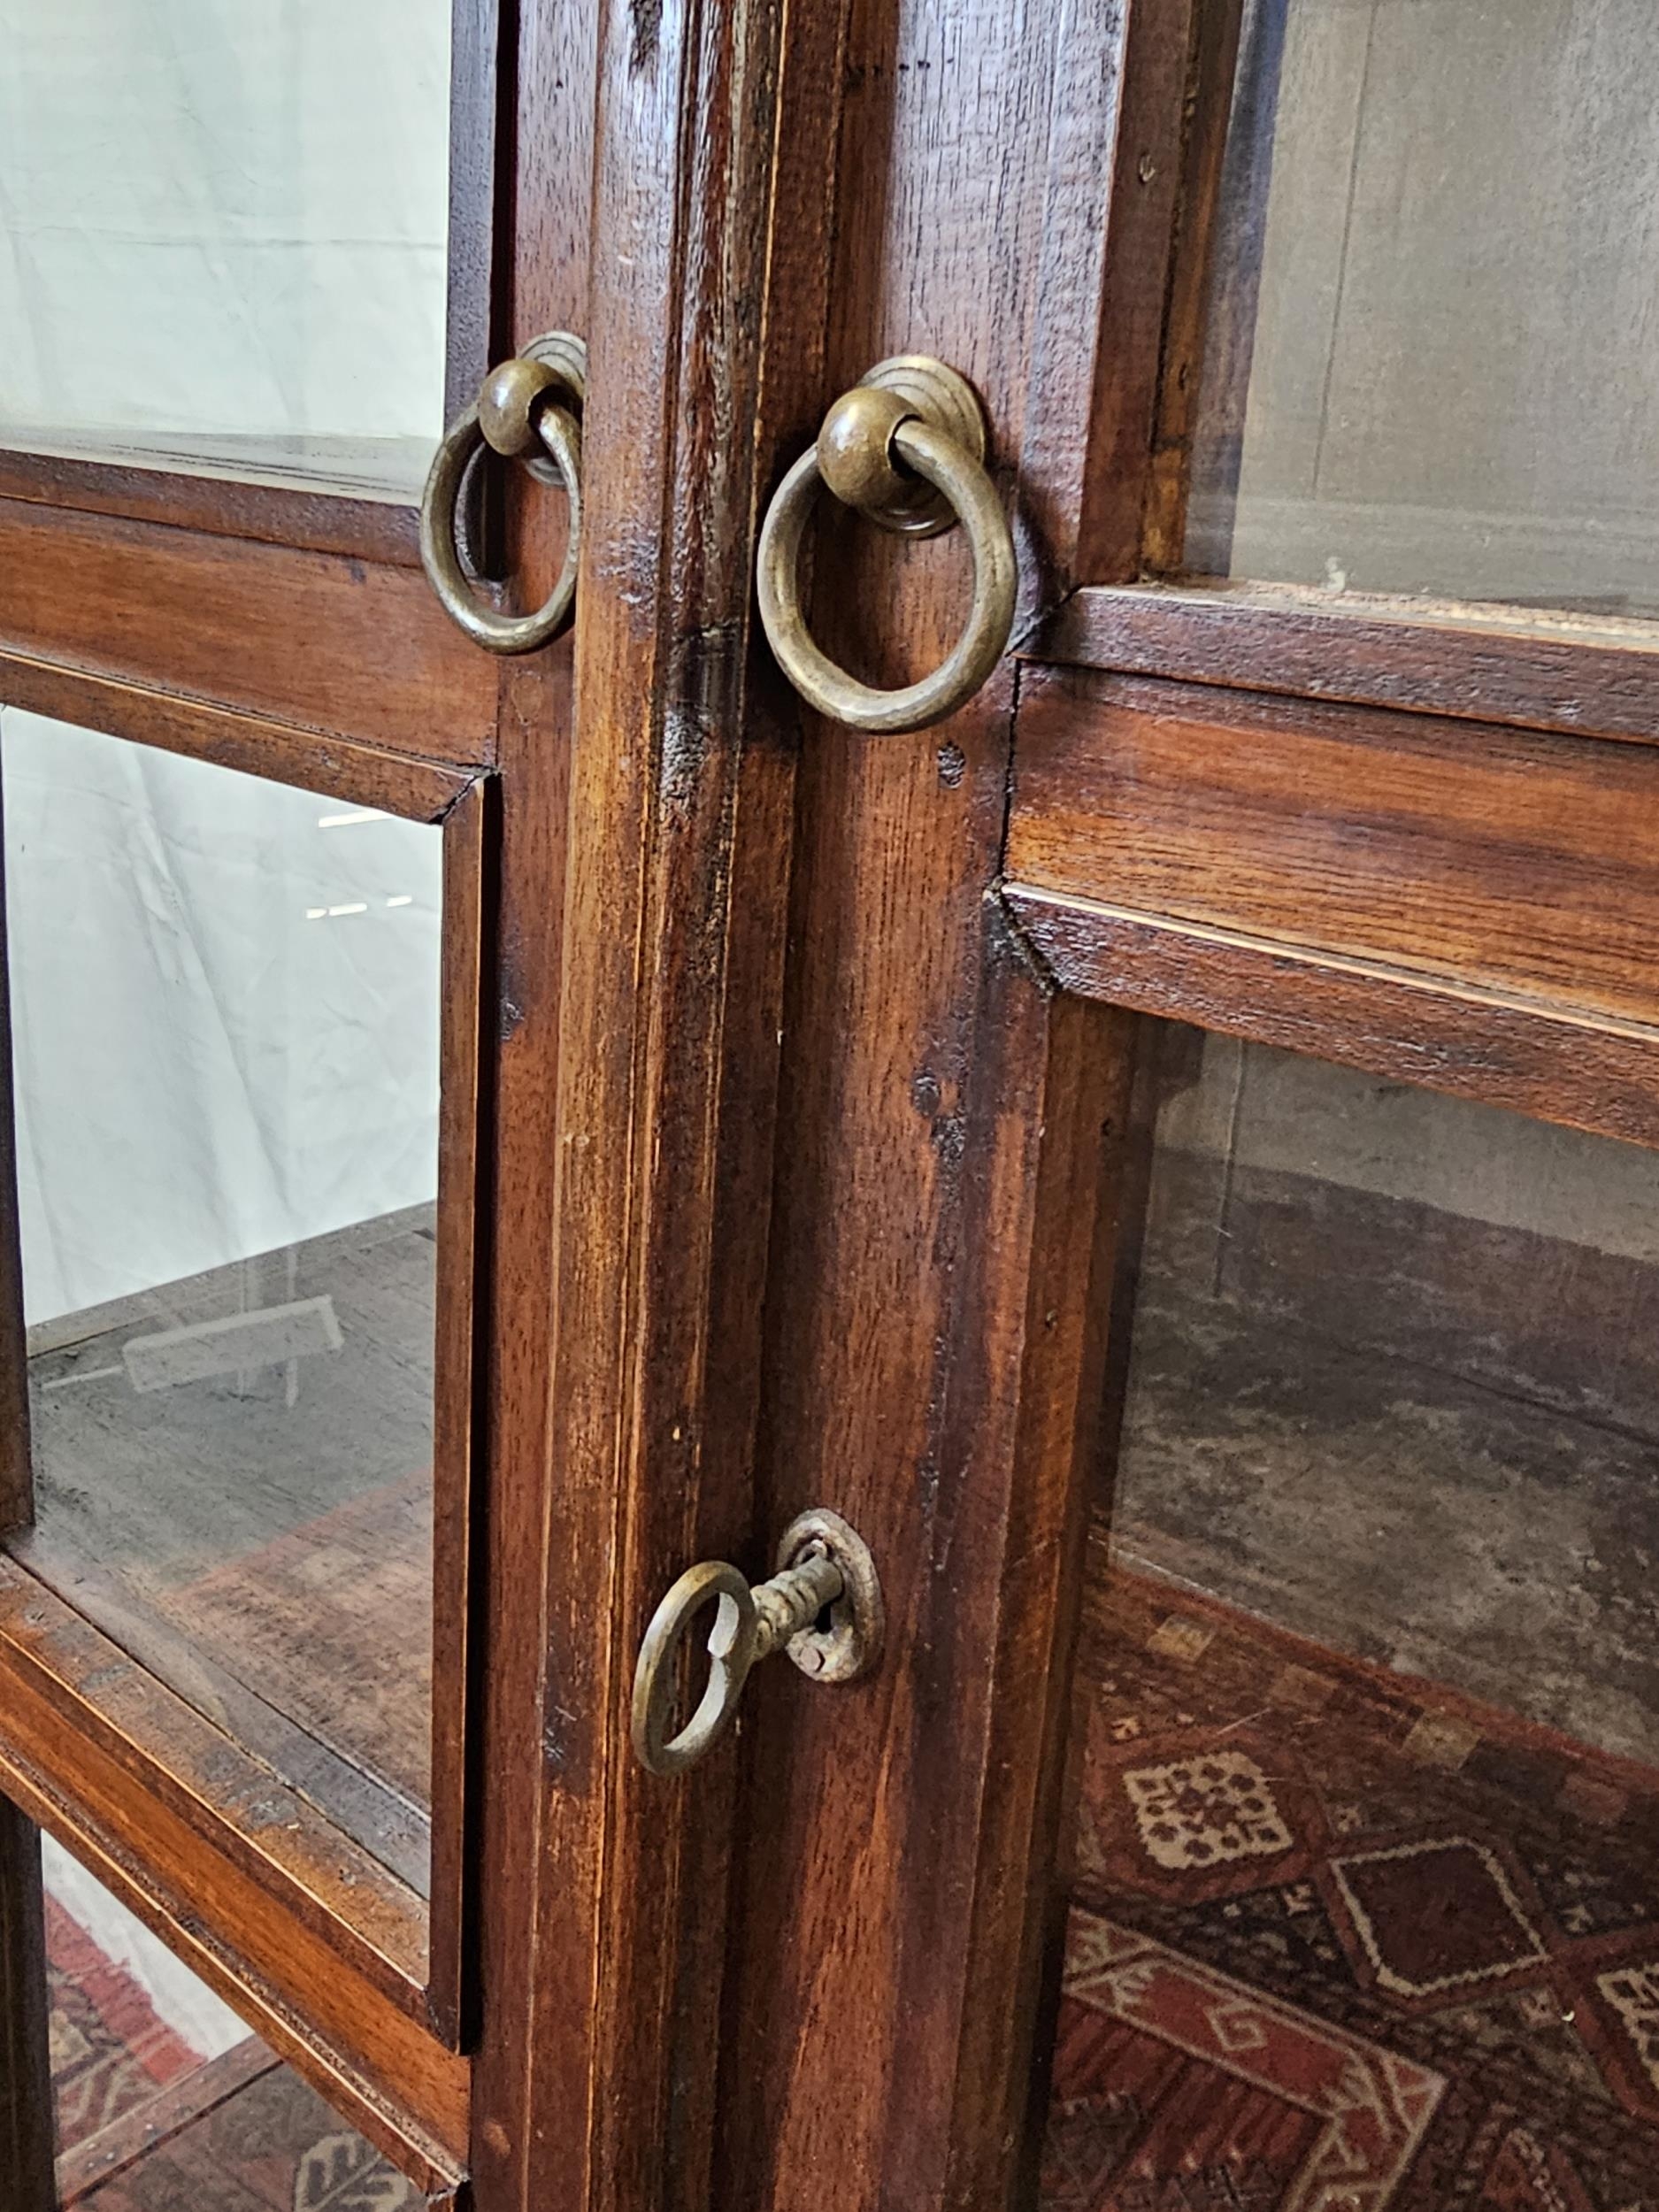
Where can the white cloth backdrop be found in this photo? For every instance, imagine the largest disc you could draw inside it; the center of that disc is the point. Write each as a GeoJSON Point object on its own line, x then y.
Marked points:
{"type": "Point", "coordinates": [224, 217]}
{"type": "Point", "coordinates": [225, 999]}
{"type": "Point", "coordinates": [218, 219]}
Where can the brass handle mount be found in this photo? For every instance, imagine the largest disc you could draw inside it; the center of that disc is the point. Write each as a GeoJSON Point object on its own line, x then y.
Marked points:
{"type": "Point", "coordinates": [528, 408]}
{"type": "Point", "coordinates": [905, 447]}
{"type": "Point", "coordinates": [823, 1606]}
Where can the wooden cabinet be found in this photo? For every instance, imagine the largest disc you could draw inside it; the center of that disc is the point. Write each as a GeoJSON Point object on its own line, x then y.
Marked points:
{"type": "Point", "coordinates": [784, 1097]}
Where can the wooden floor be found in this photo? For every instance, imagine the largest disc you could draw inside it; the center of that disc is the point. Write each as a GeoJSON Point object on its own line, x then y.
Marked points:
{"type": "Point", "coordinates": [233, 1481]}
{"type": "Point", "coordinates": [1427, 1439]}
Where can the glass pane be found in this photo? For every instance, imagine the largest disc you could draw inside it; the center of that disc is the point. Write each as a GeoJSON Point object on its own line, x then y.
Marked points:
{"type": "Point", "coordinates": [1431, 365]}
{"type": "Point", "coordinates": [224, 1004]}
{"type": "Point", "coordinates": [224, 234]}
{"type": "Point", "coordinates": [162, 2099]}
{"type": "Point", "coordinates": [1366, 1890]}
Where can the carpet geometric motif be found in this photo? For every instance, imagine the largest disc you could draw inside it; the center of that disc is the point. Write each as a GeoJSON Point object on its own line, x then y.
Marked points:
{"type": "Point", "coordinates": [1206, 1812]}
{"type": "Point", "coordinates": [1342, 1942]}
{"type": "Point", "coordinates": [1368, 2109]}
{"type": "Point", "coordinates": [1634, 1994]}
{"type": "Point", "coordinates": [273, 2147]}
{"type": "Point", "coordinates": [1435, 1916]}
{"type": "Point", "coordinates": [110, 2052]}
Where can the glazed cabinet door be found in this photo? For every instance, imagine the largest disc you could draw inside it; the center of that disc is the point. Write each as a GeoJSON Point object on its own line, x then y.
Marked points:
{"type": "Point", "coordinates": [271, 816]}
{"type": "Point", "coordinates": [1234, 1009]}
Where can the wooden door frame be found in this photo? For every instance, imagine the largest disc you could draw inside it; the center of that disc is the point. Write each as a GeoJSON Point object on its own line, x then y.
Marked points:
{"type": "Point", "coordinates": [165, 608]}
{"type": "Point", "coordinates": [959, 1143]}
{"type": "Point", "coordinates": [336, 1961]}
{"type": "Point", "coordinates": [814, 1122]}
{"type": "Point", "coordinates": [26, 2067]}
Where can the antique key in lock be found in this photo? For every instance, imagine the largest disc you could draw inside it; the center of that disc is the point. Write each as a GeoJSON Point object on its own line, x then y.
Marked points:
{"type": "Point", "coordinates": [823, 1567]}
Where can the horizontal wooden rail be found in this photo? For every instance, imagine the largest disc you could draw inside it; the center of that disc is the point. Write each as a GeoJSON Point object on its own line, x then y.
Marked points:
{"type": "Point", "coordinates": [1582, 675]}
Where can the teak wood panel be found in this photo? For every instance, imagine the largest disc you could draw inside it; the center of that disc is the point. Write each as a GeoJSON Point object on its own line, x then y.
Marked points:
{"type": "Point", "coordinates": [1513, 861]}
{"type": "Point", "coordinates": [221, 506]}
{"type": "Point", "coordinates": [1580, 675]}
{"type": "Point", "coordinates": [297, 1987]}
{"type": "Point", "coordinates": [659, 1056]}
{"type": "Point", "coordinates": [417, 1951]}
{"type": "Point", "coordinates": [107, 1701]}
{"type": "Point", "coordinates": [325, 641]}
{"type": "Point", "coordinates": [1597, 1075]}
{"type": "Point", "coordinates": [881, 2009]}
{"type": "Point", "coordinates": [334, 767]}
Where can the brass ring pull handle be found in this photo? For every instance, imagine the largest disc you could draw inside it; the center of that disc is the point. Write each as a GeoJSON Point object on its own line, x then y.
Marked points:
{"type": "Point", "coordinates": [823, 1569]}
{"type": "Point", "coordinates": [526, 409]}
{"type": "Point", "coordinates": [906, 447]}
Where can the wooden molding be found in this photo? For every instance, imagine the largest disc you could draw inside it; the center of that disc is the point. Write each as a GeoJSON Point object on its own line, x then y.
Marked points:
{"type": "Point", "coordinates": [1586, 676]}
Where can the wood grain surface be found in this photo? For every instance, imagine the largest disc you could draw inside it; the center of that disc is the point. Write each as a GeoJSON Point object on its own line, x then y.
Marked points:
{"type": "Point", "coordinates": [1502, 859]}
{"type": "Point", "coordinates": [323, 639]}
{"type": "Point", "coordinates": [25, 2066]}
{"type": "Point", "coordinates": [1582, 675]}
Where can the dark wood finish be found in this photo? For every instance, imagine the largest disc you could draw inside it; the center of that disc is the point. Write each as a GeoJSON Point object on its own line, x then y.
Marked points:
{"type": "Point", "coordinates": [127, 2141]}
{"type": "Point", "coordinates": [1598, 1075]}
{"type": "Point", "coordinates": [385, 2072]}
{"type": "Point", "coordinates": [321, 521]}
{"type": "Point", "coordinates": [54, 1663]}
{"type": "Point", "coordinates": [1582, 675]}
{"type": "Point", "coordinates": [674, 876]}
{"type": "Point", "coordinates": [461, 1350]}
{"type": "Point", "coordinates": [1108, 98]}
{"type": "Point", "coordinates": [415, 1952]}
{"type": "Point", "coordinates": [321, 640]}
{"type": "Point", "coordinates": [1500, 860]}
{"type": "Point", "coordinates": [528, 1712]}
{"type": "Point", "coordinates": [882, 2004]}
{"type": "Point", "coordinates": [911, 1827]}
{"type": "Point", "coordinates": [359, 775]}
{"type": "Point", "coordinates": [25, 2066]}
{"type": "Point", "coordinates": [285, 632]}
{"type": "Point", "coordinates": [810, 1165]}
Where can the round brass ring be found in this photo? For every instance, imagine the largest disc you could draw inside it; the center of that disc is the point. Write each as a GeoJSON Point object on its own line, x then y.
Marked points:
{"type": "Point", "coordinates": [953, 471]}
{"type": "Point", "coordinates": [558, 429]}
{"type": "Point", "coordinates": [657, 1677]}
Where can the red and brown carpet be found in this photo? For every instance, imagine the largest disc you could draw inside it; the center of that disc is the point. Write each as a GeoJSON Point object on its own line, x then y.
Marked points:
{"type": "Point", "coordinates": [1342, 1943]}
{"type": "Point", "coordinates": [145, 2125]}
{"type": "Point", "coordinates": [110, 2052]}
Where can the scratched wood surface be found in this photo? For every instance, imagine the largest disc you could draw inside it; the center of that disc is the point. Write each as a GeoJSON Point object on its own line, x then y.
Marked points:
{"type": "Point", "coordinates": [937, 1216]}
{"type": "Point", "coordinates": [1502, 859]}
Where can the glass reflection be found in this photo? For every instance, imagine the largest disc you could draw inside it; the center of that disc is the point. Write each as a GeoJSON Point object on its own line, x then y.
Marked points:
{"type": "Point", "coordinates": [225, 235]}
{"type": "Point", "coordinates": [1428, 362]}
{"type": "Point", "coordinates": [225, 1007]}
{"type": "Point", "coordinates": [162, 2098]}
{"type": "Point", "coordinates": [1365, 1875]}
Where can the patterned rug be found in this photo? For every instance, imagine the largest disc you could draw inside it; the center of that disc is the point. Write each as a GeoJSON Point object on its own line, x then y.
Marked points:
{"type": "Point", "coordinates": [1342, 1943]}
{"type": "Point", "coordinates": [110, 2052]}
{"type": "Point", "coordinates": [275, 2147]}
{"type": "Point", "coordinates": [121, 2076]}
